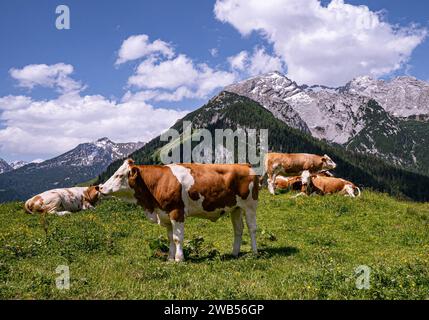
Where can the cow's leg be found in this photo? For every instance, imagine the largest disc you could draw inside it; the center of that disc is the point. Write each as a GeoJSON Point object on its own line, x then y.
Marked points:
{"type": "Point", "coordinates": [237, 224]}
{"type": "Point", "coordinates": [178, 230]}
{"type": "Point", "coordinates": [272, 180]}
{"type": "Point", "coordinates": [172, 250]}
{"type": "Point", "coordinates": [251, 226]}
{"type": "Point", "coordinates": [305, 181]}
{"type": "Point", "coordinates": [271, 184]}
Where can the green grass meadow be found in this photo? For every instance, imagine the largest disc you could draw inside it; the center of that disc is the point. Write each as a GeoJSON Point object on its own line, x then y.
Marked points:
{"type": "Point", "coordinates": [309, 249]}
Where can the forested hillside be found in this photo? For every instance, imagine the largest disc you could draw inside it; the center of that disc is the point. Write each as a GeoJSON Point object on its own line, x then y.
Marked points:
{"type": "Point", "coordinates": [229, 110]}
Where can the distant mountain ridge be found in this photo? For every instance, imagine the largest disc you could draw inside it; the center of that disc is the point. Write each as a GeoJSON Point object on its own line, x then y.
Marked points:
{"type": "Point", "coordinates": [387, 119]}
{"type": "Point", "coordinates": [229, 110]}
{"type": "Point", "coordinates": [81, 164]}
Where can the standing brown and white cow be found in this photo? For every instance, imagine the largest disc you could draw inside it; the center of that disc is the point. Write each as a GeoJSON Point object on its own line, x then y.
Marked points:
{"type": "Point", "coordinates": [295, 164]}
{"type": "Point", "coordinates": [63, 201]}
{"type": "Point", "coordinates": [169, 194]}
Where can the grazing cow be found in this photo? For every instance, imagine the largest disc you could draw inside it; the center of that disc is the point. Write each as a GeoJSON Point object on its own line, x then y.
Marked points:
{"type": "Point", "coordinates": [295, 164]}
{"type": "Point", "coordinates": [173, 192]}
{"type": "Point", "coordinates": [329, 185]}
{"type": "Point", "coordinates": [63, 201]}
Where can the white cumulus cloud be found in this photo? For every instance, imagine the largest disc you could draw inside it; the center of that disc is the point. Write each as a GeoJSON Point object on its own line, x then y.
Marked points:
{"type": "Point", "coordinates": [324, 44]}
{"type": "Point", "coordinates": [138, 46]}
{"type": "Point", "coordinates": [178, 78]}
{"type": "Point", "coordinates": [46, 128]}
{"type": "Point", "coordinates": [258, 62]}
{"type": "Point", "coordinates": [51, 76]}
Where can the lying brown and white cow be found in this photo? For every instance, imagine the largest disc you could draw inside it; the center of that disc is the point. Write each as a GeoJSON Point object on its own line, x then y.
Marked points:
{"type": "Point", "coordinates": [330, 185]}
{"type": "Point", "coordinates": [63, 201]}
{"type": "Point", "coordinates": [295, 164]}
{"type": "Point", "coordinates": [295, 183]}
{"type": "Point", "coordinates": [288, 183]}
{"type": "Point", "coordinates": [169, 194]}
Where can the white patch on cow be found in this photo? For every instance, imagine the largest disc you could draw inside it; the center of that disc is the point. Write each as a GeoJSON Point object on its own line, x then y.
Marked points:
{"type": "Point", "coordinates": [349, 190]}
{"type": "Point", "coordinates": [285, 179]}
{"type": "Point", "coordinates": [186, 180]}
{"type": "Point", "coordinates": [305, 177]}
{"type": "Point", "coordinates": [192, 207]}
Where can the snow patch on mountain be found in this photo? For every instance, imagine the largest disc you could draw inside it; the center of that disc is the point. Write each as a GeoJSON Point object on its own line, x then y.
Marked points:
{"type": "Point", "coordinates": [402, 96]}
{"type": "Point", "coordinates": [17, 164]}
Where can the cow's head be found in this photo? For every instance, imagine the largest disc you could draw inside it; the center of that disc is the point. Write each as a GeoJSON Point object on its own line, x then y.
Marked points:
{"type": "Point", "coordinates": [119, 180]}
{"type": "Point", "coordinates": [327, 163]}
{"type": "Point", "coordinates": [92, 194]}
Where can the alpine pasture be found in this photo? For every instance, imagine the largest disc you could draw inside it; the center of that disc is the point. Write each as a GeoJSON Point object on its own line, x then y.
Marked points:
{"type": "Point", "coordinates": [309, 248]}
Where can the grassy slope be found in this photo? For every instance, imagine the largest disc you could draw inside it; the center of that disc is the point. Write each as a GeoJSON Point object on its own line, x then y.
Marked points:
{"type": "Point", "coordinates": [309, 248]}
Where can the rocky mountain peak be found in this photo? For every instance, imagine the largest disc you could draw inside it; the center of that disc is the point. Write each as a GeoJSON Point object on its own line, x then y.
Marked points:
{"type": "Point", "coordinates": [4, 166]}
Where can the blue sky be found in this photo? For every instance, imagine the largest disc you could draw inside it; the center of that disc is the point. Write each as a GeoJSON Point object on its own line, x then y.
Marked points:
{"type": "Point", "coordinates": [97, 31]}
{"type": "Point", "coordinates": [42, 116]}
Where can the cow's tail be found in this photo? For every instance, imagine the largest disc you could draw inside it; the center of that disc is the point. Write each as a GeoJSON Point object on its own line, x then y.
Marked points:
{"type": "Point", "coordinates": [358, 191]}
{"type": "Point", "coordinates": [28, 207]}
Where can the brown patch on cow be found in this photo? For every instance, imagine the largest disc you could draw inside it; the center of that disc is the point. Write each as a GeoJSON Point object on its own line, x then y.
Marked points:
{"type": "Point", "coordinates": [156, 187]}
{"type": "Point", "coordinates": [220, 185]}
{"type": "Point", "coordinates": [90, 195]}
{"type": "Point", "coordinates": [177, 215]}
{"type": "Point", "coordinates": [34, 205]}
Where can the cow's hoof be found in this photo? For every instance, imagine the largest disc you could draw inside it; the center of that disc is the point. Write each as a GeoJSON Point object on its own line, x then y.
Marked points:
{"type": "Point", "coordinates": [179, 259]}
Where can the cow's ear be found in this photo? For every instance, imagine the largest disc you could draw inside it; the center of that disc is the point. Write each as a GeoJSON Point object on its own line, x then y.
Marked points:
{"type": "Point", "coordinates": [97, 188]}
{"type": "Point", "coordinates": [324, 159]}
{"type": "Point", "coordinates": [130, 162]}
